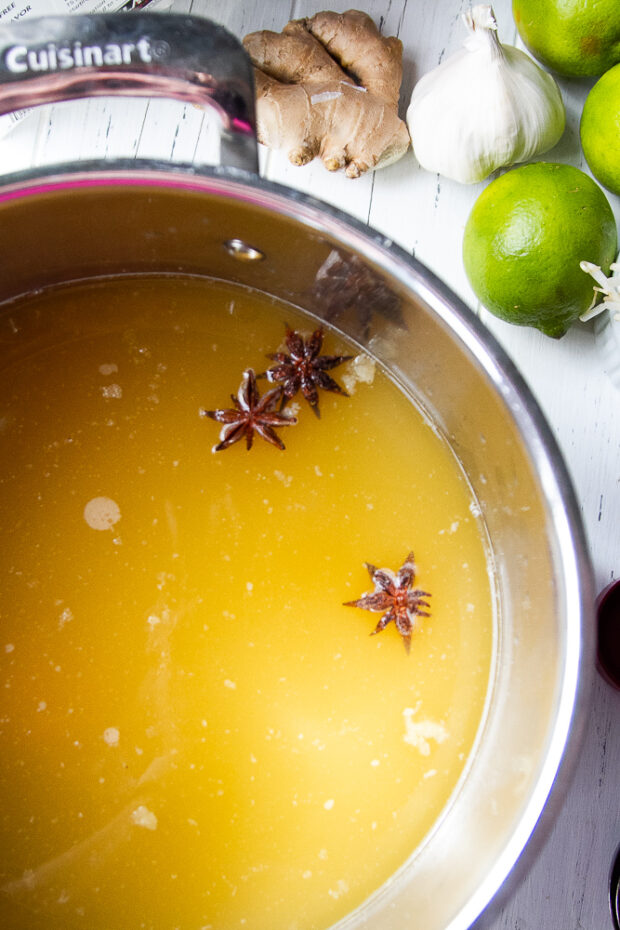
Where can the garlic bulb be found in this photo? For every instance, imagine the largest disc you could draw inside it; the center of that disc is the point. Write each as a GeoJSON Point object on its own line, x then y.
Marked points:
{"type": "Point", "coordinates": [487, 106]}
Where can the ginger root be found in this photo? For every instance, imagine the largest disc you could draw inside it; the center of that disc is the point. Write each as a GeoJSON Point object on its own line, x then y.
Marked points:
{"type": "Point", "coordinates": [328, 86]}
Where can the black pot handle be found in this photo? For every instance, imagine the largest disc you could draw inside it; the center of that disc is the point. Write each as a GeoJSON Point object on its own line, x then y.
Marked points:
{"type": "Point", "coordinates": [141, 55]}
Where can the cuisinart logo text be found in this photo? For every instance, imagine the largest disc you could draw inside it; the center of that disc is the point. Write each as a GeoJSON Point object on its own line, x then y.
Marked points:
{"type": "Point", "coordinates": [19, 58]}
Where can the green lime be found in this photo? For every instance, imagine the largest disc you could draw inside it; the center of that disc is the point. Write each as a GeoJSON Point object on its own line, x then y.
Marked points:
{"type": "Point", "coordinates": [525, 237]}
{"type": "Point", "coordinates": [574, 37]}
{"type": "Point", "coordinates": [600, 129]}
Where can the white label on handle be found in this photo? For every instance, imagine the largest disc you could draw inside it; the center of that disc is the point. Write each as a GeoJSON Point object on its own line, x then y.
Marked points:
{"type": "Point", "coordinates": [15, 10]}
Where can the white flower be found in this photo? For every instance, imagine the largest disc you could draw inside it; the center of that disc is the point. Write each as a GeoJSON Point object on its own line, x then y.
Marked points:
{"type": "Point", "coordinates": [608, 286]}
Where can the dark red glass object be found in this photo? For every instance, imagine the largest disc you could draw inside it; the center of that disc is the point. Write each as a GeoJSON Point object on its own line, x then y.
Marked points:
{"type": "Point", "coordinates": [608, 646]}
{"type": "Point", "coordinates": [614, 891]}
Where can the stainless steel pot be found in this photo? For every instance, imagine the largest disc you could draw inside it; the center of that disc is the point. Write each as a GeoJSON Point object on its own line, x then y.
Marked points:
{"type": "Point", "coordinates": [77, 221]}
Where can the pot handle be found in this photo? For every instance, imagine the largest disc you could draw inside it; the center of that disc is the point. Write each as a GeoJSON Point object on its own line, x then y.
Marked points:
{"type": "Point", "coordinates": [156, 55]}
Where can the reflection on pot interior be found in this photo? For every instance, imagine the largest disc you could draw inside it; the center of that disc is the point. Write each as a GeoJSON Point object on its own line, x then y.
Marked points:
{"type": "Point", "coordinates": [195, 730]}
{"type": "Point", "coordinates": [345, 286]}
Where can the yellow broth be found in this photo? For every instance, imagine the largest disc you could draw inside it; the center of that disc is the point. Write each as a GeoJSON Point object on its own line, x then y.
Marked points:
{"type": "Point", "coordinates": [194, 731]}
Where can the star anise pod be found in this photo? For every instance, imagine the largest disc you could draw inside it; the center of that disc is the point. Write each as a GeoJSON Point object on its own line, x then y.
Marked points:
{"type": "Point", "coordinates": [304, 369]}
{"type": "Point", "coordinates": [251, 414]}
{"type": "Point", "coordinates": [394, 595]}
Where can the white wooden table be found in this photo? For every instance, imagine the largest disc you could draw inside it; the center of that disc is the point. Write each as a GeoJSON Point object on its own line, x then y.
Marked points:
{"type": "Point", "coordinates": [567, 886]}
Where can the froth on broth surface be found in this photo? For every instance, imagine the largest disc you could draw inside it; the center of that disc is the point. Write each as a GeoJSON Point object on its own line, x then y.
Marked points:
{"type": "Point", "coordinates": [194, 731]}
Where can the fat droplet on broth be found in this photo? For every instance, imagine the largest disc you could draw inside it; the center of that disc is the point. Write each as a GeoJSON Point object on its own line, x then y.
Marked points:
{"type": "Point", "coordinates": [101, 513]}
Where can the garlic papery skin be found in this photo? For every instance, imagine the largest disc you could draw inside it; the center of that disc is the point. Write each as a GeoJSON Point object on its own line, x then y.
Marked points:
{"type": "Point", "coordinates": [485, 107]}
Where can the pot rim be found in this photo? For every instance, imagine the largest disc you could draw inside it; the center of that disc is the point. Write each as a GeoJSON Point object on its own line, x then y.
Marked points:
{"type": "Point", "coordinates": [489, 356]}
